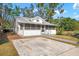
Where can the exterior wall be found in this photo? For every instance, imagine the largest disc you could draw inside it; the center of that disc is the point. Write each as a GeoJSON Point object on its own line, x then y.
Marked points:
{"type": "Point", "coordinates": [35, 32]}
{"type": "Point", "coordinates": [52, 31]}
{"type": "Point", "coordinates": [49, 32]}
{"type": "Point", "coordinates": [20, 32]}
{"type": "Point", "coordinates": [39, 21]}
{"type": "Point", "coordinates": [32, 32]}
{"type": "Point", "coordinates": [17, 29]}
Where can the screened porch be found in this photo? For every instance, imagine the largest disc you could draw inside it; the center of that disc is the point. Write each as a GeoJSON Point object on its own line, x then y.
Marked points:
{"type": "Point", "coordinates": [24, 26]}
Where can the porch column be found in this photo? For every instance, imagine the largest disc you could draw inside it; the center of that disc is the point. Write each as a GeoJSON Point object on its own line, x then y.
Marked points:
{"type": "Point", "coordinates": [29, 26]}
{"type": "Point", "coordinates": [23, 28]}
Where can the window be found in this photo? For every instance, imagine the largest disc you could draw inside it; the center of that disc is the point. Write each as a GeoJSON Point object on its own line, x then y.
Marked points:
{"type": "Point", "coordinates": [51, 27]}
{"type": "Point", "coordinates": [32, 27]}
{"type": "Point", "coordinates": [27, 26]}
{"type": "Point", "coordinates": [30, 20]}
{"type": "Point", "coordinates": [21, 26]}
{"type": "Point", "coordinates": [37, 20]}
{"type": "Point", "coordinates": [38, 26]}
{"type": "Point", "coordinates": [47, 27]}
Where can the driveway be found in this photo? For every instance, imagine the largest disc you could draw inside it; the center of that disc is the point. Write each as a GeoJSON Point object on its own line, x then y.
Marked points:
{"type": "Point", "coordinates": [72, 52]}
{"type": "Point", "coordinates": [39, 46]}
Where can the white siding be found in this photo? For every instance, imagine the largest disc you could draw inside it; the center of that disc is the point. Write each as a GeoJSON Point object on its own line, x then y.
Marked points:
{"type": "Point", "coordinates": [49, 32]}
{"type": "Point", "coordinates": [38, 21]}
{"type": "Point", "coordinates": [21, 33]}
{"type": "Point", "coordinates": [52, 31]}
{"type": "Point", "coordinates": [32, 32]}
{"type": "Point", "coordinates": [35, 32]}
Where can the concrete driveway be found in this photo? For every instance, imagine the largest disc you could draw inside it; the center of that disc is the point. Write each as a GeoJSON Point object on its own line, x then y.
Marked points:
{"type": "Point", "coordinates": [72, 52]}
{"type": "Point", "coordinates": [39, 46]}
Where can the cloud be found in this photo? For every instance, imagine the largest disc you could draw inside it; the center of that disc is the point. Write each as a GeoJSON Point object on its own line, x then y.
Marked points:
{"type": "Point", "coordinates": [35, 10]}
{"type": "Point", "coordinates": [76, 6]}
{"type": "Point", "coordinates": [76, 16]}
{"type": "Point", "coordinates": [65, 11]}
{"type": "Point", "coordinates": [57, 12]}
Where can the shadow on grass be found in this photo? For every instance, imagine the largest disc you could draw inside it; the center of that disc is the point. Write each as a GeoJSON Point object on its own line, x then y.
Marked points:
{"type": "Point", "coordinates": [76, 35]}
{"type": "Point", "coordinates": [3, 38]}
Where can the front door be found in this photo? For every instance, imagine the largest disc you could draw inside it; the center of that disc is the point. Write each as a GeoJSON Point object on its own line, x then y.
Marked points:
{"type": "Point", "coordinates": [43, 30]}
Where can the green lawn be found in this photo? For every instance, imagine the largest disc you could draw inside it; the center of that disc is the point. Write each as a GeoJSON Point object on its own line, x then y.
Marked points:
{"type": "Point", "coordinates": [76, 31]}
{"type": "Point", "coordinates": [7, 49]}
{"type": "Point", "coordinates": [67, 37]}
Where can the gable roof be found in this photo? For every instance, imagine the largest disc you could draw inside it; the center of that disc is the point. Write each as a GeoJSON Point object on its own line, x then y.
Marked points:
{"type": "Point", "coordinates": [30, 20]}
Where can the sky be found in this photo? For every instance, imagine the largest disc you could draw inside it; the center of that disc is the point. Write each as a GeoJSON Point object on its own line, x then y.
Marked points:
{"type": "Point", "coordinates": [70, 9]}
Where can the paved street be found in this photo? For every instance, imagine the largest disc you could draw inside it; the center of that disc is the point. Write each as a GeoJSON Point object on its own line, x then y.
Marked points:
{"type": "Point", "coordinates": [40, 46]}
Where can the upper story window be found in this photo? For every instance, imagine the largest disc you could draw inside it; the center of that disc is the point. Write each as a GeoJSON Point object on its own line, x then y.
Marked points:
{"type": "Point", "coordinates": [30, 20]}
{"type": "Point", "coordinates": [37, 20]}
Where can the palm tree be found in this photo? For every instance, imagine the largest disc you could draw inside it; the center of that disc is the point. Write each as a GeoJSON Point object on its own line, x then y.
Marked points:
{"type": "Point", "coordinates": [60, 29]}
{"type": "Point", "coordinates": [15, 12]}
{"type": "Point", "coordinates": [28, 12]}
{"type": "Point", "coordinates": [40, 7]}
{"type": "Point", "coordinates": [1, 9]}
{"type": "Point", "coordinates": [23, 11]}
{"type": "Point", "coordinates": [31, 10]}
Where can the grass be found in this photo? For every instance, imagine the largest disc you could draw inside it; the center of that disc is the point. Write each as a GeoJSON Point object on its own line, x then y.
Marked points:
{"type": "Point", "coordinates": [67, 37]}
{"type": "Point", "coordinates": [7, 49]}
{"type": "Point", "coordinates": [3, 41]}
{"type": "Point", "coordinates": [76, 31]}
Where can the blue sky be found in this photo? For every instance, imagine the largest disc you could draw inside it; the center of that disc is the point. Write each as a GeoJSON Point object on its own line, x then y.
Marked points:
{"type": "Point", "coordinates": [70, 10]}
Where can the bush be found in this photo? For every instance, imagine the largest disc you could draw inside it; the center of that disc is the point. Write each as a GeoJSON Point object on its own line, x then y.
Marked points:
{"type": "Point", "coordinates": [76, 34]}
{"type": "Point", "coordinates": [60, 30]}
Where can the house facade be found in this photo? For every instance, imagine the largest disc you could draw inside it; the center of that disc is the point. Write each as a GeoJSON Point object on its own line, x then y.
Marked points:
{"type": "Point", "coordinates": [25, 26]}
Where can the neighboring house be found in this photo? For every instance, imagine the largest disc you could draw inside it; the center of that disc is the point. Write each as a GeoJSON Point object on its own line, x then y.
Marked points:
{"type": "Point", "coordinates": [25, 26]}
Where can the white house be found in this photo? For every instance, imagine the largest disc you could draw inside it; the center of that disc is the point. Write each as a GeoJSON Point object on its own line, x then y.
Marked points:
{"type": "Point", "coordinates": [25, 26]}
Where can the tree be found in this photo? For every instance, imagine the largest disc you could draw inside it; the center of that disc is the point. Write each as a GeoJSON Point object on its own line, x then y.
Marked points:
{"type": "Point", "coordinates": [15, 12]}
{"type": "Point", "coordinates": [23, 11]}
{"type": "Point", "coordinates": [76, 25]}
{"type": "Point", "coordinates": [28, 12]}
{"type": "Point", "coordinates": [7, 25]}
{"type": "Point", "coordinates": [40, 7]}
{"type": "Point", "coordinates": [68, 23]}
{"type": "Point", "coordinates": [1, 10]}
{"type": "Point", "coordinates": [5, 9]}
{"type": "Point", "coordinates": [47, 10]}
{"type": "Point", "coordinates": [31, 10]}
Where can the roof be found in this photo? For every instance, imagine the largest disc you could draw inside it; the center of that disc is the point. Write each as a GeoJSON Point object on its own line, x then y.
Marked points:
{"type": "Point", "coordinates": [30, 20]}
